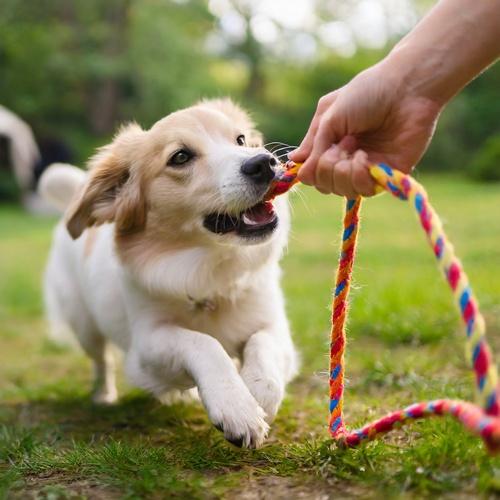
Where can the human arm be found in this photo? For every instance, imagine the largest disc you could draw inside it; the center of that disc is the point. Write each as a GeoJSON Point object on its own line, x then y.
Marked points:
{"type": "Point", "coordinates": [390, 110]}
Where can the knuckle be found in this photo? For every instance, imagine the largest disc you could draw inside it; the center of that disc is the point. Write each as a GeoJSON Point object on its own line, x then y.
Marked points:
{"type": "Point", "coordinates": [323, 122]}
{"type": "Point", "coordinates": [322, 102]}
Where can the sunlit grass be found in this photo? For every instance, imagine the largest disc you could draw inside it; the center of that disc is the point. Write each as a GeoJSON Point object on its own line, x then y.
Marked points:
{"type": "Point", "coordinates": [405, 344]}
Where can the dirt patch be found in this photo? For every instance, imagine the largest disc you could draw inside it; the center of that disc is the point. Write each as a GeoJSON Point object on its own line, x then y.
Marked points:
{"type": "Point", "coordinates": [276, 487]}
{"type": "Point", "coordinates": [52, 485]}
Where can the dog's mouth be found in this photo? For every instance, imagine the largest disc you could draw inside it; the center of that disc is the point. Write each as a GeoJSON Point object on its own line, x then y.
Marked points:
{"type": "Point", "coordinates": [256, 221]}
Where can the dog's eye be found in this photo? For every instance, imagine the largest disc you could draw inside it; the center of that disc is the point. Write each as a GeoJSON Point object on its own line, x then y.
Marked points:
{"type": "Point", "coordinates": [180, 157]}
{"type": "Point", "coordinates": [241, 140]}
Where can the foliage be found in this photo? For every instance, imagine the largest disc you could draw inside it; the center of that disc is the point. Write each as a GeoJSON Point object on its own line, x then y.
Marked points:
{"type": "Point", "coordinates": [75, 70]}
{"type": "Point", "coordinates": [466, 123]}
{"type": "Point", "coordinates": [9, 189]}
{"type": "Point", "coordinates": [485, 165]}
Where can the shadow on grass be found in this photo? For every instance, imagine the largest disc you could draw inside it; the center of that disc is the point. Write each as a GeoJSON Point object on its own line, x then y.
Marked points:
{"type": "Point", "coordinates": [76, 417]}
{"type": "Point", "coordinates": [140, 447]}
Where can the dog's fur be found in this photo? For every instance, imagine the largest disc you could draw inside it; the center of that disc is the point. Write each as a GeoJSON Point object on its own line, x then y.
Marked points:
{"type": "Point", "coordinates": [180, 301]}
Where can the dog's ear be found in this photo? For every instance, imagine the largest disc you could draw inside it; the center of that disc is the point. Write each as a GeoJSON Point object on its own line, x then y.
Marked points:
{"type": "Point", "coordinates": [239, 117]}
{"type": "Point", "coordinates": [113, 191]}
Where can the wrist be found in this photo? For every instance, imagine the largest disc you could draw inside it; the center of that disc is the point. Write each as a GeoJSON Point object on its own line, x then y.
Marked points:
{"type": "Point", "coordinates": [418, 75]}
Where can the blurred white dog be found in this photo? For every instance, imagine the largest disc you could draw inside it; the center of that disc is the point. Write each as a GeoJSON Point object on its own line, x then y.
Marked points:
{"type": "Point", "coordinates": [168, 251]}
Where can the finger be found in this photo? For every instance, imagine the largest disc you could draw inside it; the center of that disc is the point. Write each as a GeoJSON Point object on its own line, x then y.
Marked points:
{"type": "Point", "coordinates": [324, 138]}
{"type": "Point", "coordinates": [303, 151]}
{"type": "Point", "coordinates": [324, 171]}
{"type": "Point", "coordinates": [361, 179]}
{"type": "Point", "coordinates": [342, 179]}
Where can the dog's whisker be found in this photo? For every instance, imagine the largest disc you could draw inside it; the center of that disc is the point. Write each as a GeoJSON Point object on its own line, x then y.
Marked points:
{"type": "Point", "coordinates": [291, 206]}
{"type": "Point", "coordinates": [275, 143]}
{"type": "Point", "coordinates": [284, 146]}
{"type": "Point", "coordinates": [282, 156]}
{"type": "Point", "coordinates": [303, 200]}
{"type": "Point", "coordinates": [217, 220]}
{"type": "Point", "coordinates": [282, 159]}
{"type": "Point", "coordinates": [231, 219]}
{"type": "Point", "coordinates": [282, 151]}
{"type": "Point", "coordinates": [280, 147]}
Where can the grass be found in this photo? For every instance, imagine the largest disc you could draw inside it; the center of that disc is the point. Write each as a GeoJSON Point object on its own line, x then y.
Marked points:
{"type": "Point", "coordinates": [405, 344]}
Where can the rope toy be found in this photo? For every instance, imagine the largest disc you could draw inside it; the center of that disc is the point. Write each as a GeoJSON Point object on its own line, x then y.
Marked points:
{"type": "Point", "coordinates": [483, 418]}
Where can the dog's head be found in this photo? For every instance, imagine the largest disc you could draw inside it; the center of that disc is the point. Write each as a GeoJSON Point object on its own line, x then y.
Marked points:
{"type": "Point", "coordinates": [198, 174]}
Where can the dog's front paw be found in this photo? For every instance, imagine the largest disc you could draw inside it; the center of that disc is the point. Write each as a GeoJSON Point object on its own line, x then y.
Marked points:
{"type": "Point", "coordinates": [267, 390]}
{"type": "Point", "coordinates": [239, 417]}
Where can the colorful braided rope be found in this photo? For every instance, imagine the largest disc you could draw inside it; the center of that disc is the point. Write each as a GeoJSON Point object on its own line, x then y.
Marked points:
{"type": "Point", "coordinates": [482, 419]}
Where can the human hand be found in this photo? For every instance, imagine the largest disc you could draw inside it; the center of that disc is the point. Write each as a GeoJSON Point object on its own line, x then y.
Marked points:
{"type": "Point", "coordinates": [375, 118]}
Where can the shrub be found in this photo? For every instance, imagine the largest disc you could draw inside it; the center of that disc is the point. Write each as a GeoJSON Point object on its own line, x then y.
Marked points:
{"type": "Point", "coordinates": [485, 165]}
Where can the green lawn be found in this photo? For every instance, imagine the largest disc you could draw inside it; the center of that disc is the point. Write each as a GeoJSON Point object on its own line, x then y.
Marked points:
{"type": "Point", "coordinates": [405, 344]}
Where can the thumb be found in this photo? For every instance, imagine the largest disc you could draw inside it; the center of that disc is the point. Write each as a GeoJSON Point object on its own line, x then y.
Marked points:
{"type": "Point", "coordinates": [348, 143]}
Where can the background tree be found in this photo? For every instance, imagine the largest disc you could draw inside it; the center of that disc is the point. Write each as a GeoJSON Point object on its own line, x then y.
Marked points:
{"type": "Point", "coordinates": [75, 70]}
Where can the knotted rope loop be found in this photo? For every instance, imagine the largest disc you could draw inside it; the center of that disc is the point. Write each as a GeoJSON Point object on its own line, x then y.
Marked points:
{"type": "Point", "coordinates": [483, 418]}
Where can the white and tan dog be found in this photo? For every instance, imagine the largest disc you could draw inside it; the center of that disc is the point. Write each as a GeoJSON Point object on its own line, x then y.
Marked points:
{"type": "Point", "coordinates": [168, 252]}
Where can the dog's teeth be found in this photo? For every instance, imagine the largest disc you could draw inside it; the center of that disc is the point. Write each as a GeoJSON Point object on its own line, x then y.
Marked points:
{"type": "Point", "coordinates": [248, 221]}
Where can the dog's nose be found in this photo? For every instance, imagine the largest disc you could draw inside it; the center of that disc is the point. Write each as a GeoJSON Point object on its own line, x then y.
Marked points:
{"type": "Point", "coordinates": [259, 168]}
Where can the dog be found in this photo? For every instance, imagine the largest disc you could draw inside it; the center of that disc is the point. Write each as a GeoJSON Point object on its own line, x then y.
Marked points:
{"type": "Point", "coordinates": [168, 251]}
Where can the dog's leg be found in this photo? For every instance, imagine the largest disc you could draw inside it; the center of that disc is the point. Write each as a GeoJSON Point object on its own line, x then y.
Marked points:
{"type": "Point", "coordinates": [269, 362]}
{"type": "Point", "coordinates": [173, 356]}
{"type": "Point", "coordinates": [99, 351]}
{"type": "Point", "coordinates": [65, 306]}
{"type": "Point", "coordinates": [105, 391]}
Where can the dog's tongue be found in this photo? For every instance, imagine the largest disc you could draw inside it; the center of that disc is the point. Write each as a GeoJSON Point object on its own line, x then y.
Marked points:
{"type": "Point", "coordinates": [259, 214]}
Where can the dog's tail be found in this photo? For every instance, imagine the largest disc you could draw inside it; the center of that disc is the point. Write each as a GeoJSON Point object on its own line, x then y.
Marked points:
{"type": "Point", "coordinates": [59, 184]}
